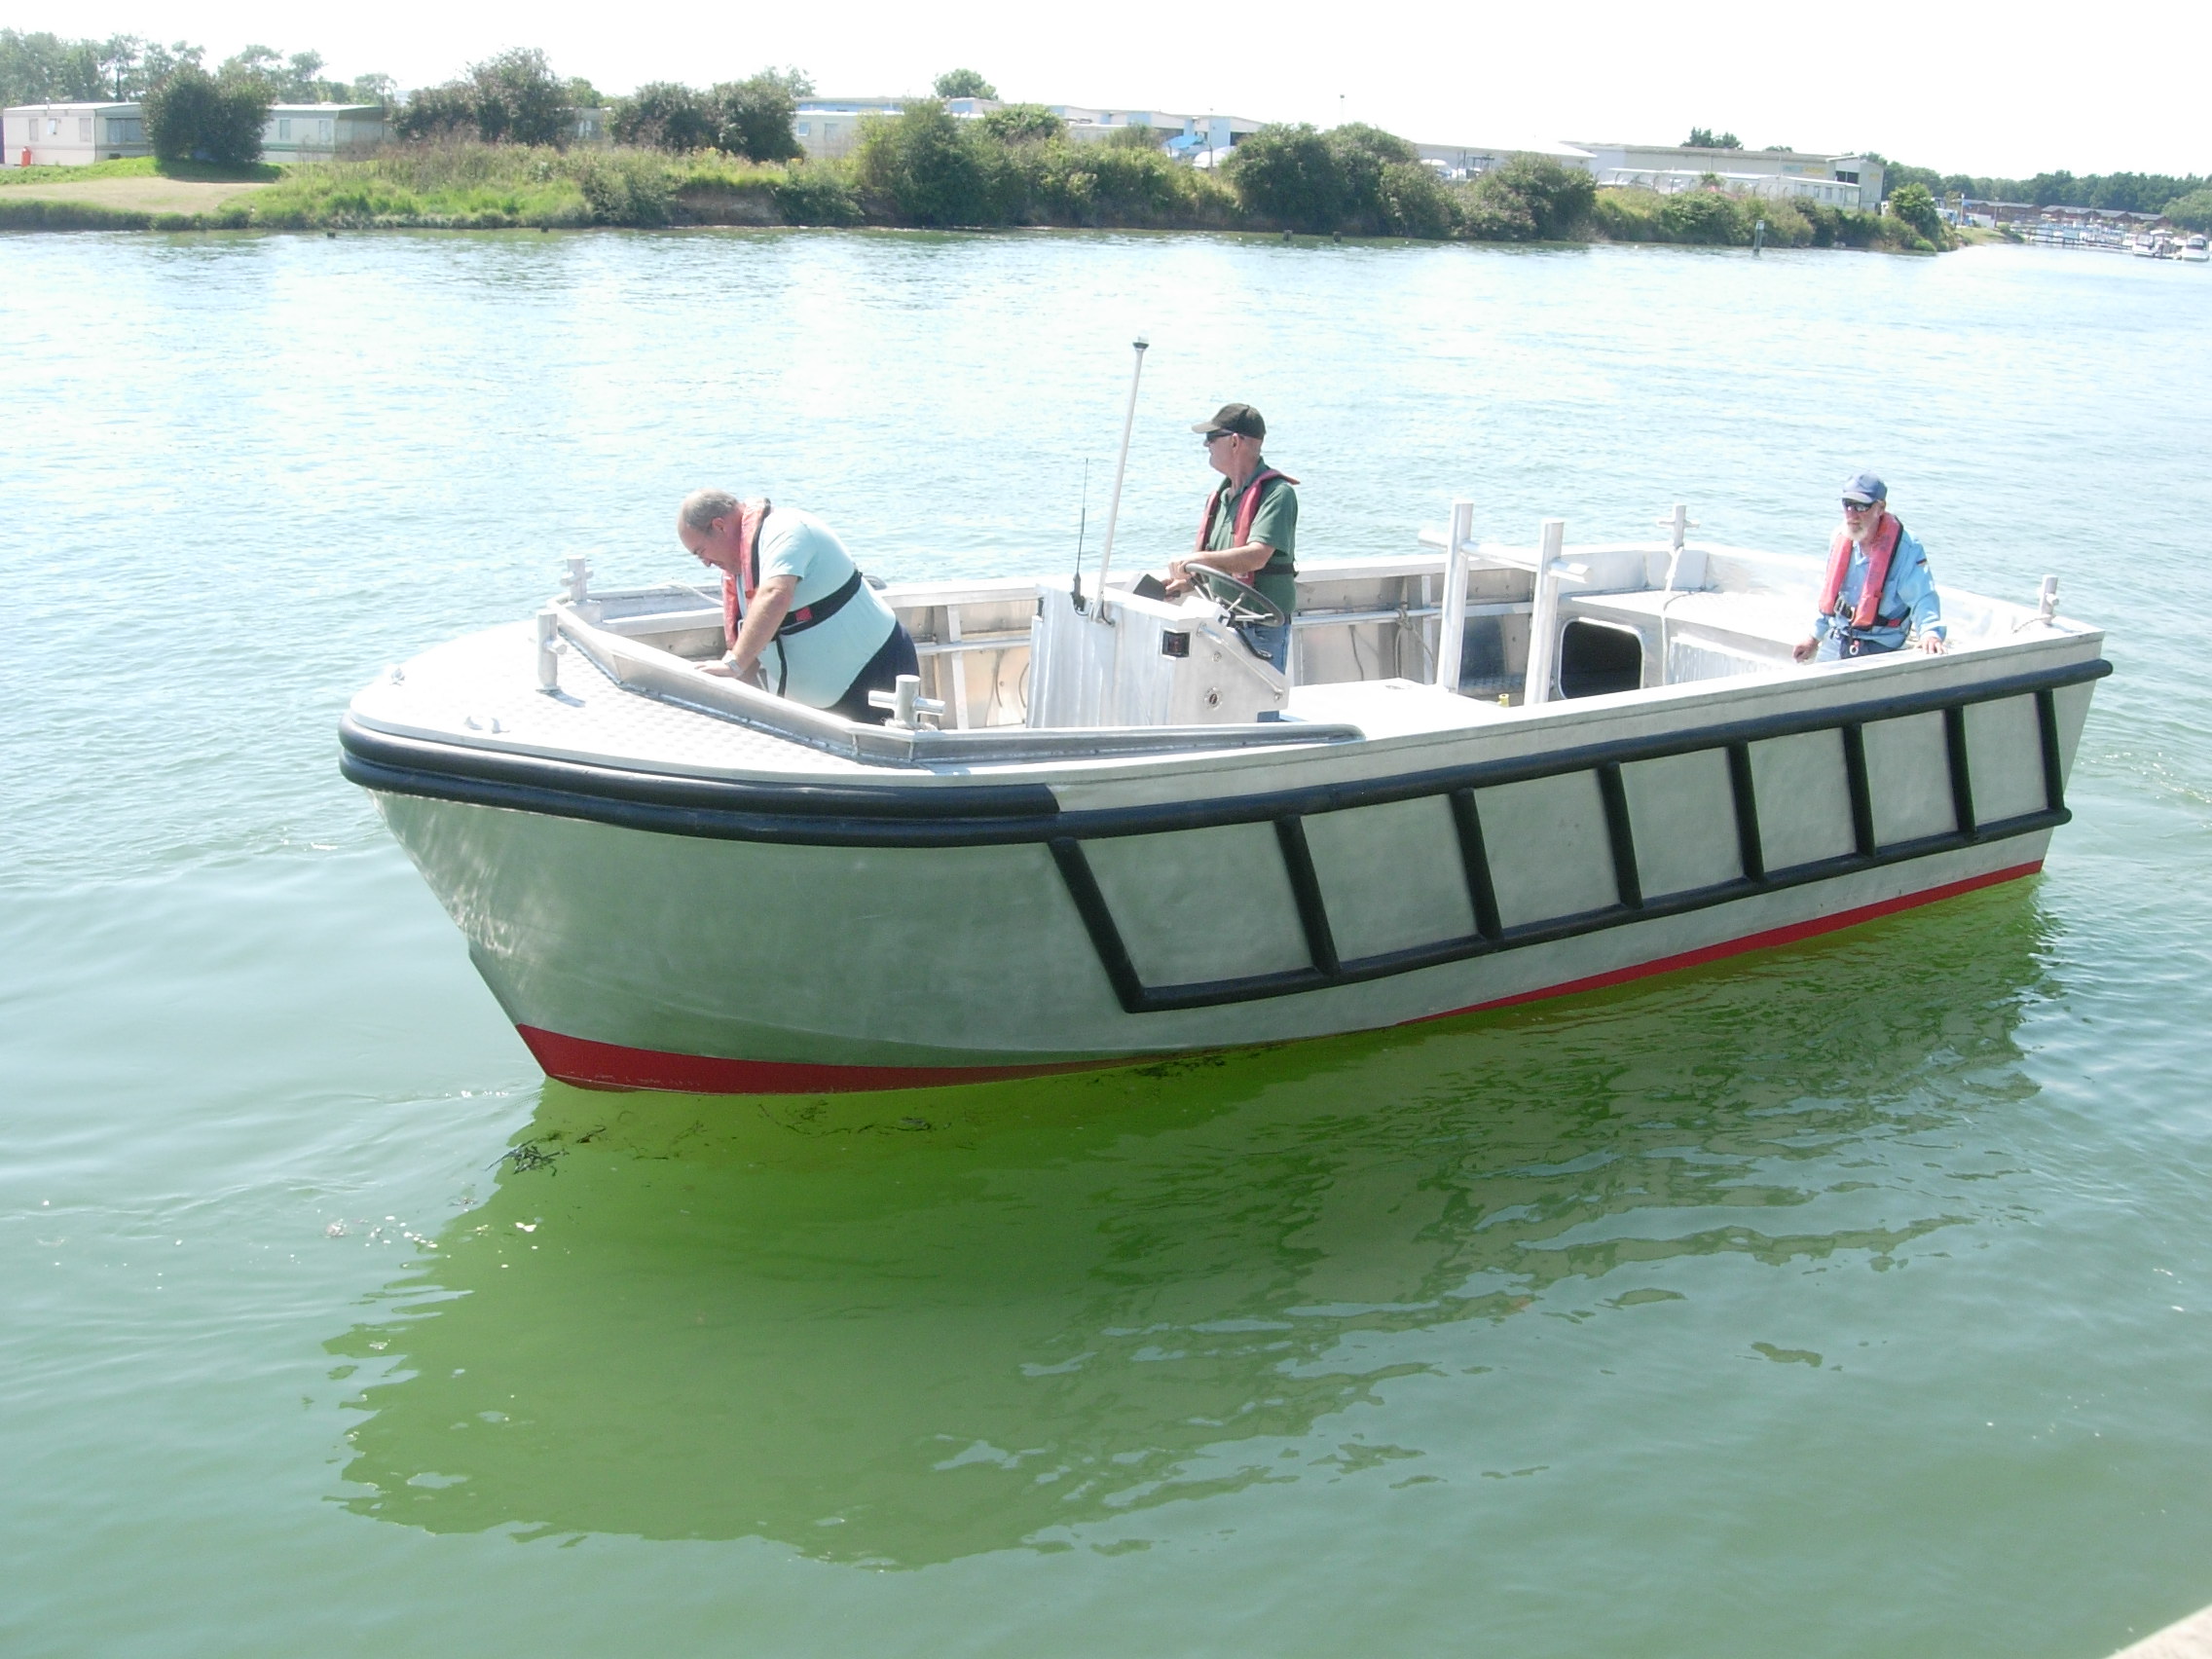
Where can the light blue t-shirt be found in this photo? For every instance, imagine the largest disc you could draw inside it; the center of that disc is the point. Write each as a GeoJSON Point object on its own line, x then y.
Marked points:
{"type": "Point", "coordinates": [818, 665]}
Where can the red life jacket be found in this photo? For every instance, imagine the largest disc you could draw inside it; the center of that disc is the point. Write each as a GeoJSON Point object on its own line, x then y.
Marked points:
{"type": "Point", "coordinates": [1247, 509]}
{"type": "Point", "coordinates": [737, 594]}
{"type": "Point", "coordinates": [1881, 549]}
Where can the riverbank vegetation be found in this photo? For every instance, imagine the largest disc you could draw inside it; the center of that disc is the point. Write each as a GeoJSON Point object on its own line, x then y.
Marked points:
{"type": "Point", "coordinates": [1017, 168]}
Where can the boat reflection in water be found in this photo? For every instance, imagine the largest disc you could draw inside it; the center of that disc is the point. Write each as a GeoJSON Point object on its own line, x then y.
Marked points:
{"type": "Point", "coordinates": [913, 1328]}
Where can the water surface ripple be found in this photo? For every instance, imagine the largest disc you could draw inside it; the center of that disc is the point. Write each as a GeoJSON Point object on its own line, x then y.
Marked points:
{"type": "Point", "coordinates": [1848, 1300]}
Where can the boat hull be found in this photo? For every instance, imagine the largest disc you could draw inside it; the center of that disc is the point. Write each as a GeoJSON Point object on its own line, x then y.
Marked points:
{"type": "Point", "coordinates": [640, 943]}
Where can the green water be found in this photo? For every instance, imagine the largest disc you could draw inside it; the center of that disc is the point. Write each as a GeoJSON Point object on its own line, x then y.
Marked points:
{"type": "Point", "coordinates": [1851, 1299]}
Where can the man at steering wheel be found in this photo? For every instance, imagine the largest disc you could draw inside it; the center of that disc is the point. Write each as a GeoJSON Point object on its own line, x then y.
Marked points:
{"type": "Point", "coordinates": [1249, 529]}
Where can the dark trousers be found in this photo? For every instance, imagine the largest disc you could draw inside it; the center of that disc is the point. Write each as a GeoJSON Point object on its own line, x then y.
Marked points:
{"type": "Point", "coordinates": [881, 674]}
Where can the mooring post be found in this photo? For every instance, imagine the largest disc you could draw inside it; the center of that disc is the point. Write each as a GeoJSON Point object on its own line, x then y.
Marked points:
{"type": "Point", "coordinates": [1452, 615]}
{"type": "Point", "coordinates": [1543, 622]}
{"type": "Point", "coordinates": [549, 649]}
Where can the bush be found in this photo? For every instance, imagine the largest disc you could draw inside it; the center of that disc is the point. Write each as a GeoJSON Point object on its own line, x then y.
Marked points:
{"type": "Point", "coordinates": [193, 115]}
{"type": "Point", "coordinates": [1703, 216]}
{"type": "Point", "coordinates": [1911, 205]}
{"type": "Point", "coordinates": [1288, 176]}
{"type": "Point", "coordinates": [1412, 202]}
{"type": "Point", "coordinates": [1361, 153]}
{"type": "Point", "coordinates": [751, 118]}
{"type": "Point", "coordinates": [1023, 123]}
{"type": "Point", "coordinates": [812, 193]}
{"type": "Point", "coordinates": [1554, 200]}
{"type": "Point", "coordinates": [665, 115]}
{"type": "Point", "coordinates": [754, 118]}
{"type": "Point", "coordinates": [623, 187]}
{"type": "Point", "coordinates": [933, 170]}
{"type": "Point", "coordinates": [511, 99]}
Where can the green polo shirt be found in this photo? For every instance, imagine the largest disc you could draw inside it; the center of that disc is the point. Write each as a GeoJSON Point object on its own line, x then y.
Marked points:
{"type": "Point", "coordinates": [1276, 525]}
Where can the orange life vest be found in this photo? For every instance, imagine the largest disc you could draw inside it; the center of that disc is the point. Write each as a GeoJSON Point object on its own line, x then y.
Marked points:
{"type": "Point", "coordinates": [738, 589]}
{"type": "Point", "coordinates": [1247, 509]}
{"type": "Point", "coordinates": [1881, 549]}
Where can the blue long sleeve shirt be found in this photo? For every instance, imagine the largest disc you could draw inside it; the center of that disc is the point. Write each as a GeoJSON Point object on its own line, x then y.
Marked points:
{"type": "Point", "coordinates": [1909, 591]}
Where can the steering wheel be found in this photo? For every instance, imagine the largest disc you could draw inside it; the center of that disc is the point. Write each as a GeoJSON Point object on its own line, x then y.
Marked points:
{"type": "Point", "coordinates": [1238, 602]}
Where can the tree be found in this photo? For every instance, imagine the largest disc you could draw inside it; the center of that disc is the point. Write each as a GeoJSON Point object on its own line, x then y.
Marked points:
{"type": "Point", "coordinates": [118, 63]}
{"type": "Point", "coordinates": [258, 62]}
{"type": "Point", "coordinates": [511, 99]}
{"type": "Point", "coordinates": [196, 116]}
{"type": "Point", "coordinates": [932, 167]}
{"type": "Point", "coordinates": [158, 63]}
{"type": "Point", "coordinates": [1362, 153]}
{"type": "Point", "coordinates": [963, 83]}
{"type": "Point", "coordinates": [2193, 211]}
{"type": "Point", "coordinates": [371, 89]}
{"type": "Point", "coordinates": [1913, 205]}
{"type": "Point", "coordinates": [665, 115]}
{"type": "Point", "coordinates": [519, 100]}
{"type": "Point", "coordinates": [1702, 139]}
{"type": "Point", "coordinates": [438, 112]}
{"type": "Point", "coordinates": [1023, 123]}
{"type": "Point", "coordinates": [753, 118]}
{"type": "Point", "coordinates": [1288, 176]}
{"type": "Point", "coordinates": [1553, 200]}
{"type": "Point", "coordinates": [42, 68]}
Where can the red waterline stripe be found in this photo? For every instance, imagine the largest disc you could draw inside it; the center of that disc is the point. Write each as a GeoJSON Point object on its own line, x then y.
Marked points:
{"type": "Point", "coordinates": [611, 1065]}
{"type": "Point", "coordinates": [1767, 940]}
{"type": "Point", "coordinates": [587, 1064]}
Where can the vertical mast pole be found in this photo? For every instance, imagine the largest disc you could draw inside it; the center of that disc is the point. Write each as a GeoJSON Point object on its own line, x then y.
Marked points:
{"type": "Point", "coordinates": [1543, 622]}
{"type": "Point", "coordinates": [1452, 615]}
{"type": "Point", "coordinates": [1121, 467]}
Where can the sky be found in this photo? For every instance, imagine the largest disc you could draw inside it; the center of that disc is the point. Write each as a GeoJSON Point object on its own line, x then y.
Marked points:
{"type": "Point", "coordinates": [1977, 89]}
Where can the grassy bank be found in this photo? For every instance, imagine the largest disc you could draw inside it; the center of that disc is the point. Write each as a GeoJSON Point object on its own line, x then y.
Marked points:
{"type": "Point", "coordinates": [911, 173]}
{"type": "Point", "coordinates": [143, 166]}
{"type": "Point", "coordinates": [1711, 219]}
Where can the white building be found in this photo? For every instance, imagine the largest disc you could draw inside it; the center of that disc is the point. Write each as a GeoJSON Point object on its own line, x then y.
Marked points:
{"type": "Point", "coordinates": [72, 134]}
{"type": "Point", "coordinates": [1186, 137]}
{"type": "Point", "coordinates": [78, 134]}
{"type": "Point", "coordinates": [829, 128]}
{"type": "Point", "coordinates": [1838, 181]}
{"type": "Point", "coordinates": [318, 132]}
{"type": "Point", "coordinates": [1456, 162]}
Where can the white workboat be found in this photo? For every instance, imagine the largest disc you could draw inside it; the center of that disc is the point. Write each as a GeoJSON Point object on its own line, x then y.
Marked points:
{"type": "Point", "coordinates": [1494, 774]}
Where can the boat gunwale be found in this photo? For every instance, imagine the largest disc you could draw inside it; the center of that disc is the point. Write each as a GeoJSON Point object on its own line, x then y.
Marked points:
{"type": "Point", "coordinates": [904, 811]}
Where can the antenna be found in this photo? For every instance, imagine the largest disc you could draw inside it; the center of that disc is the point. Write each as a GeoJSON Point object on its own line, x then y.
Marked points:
{"type": "Point", "coordinates": [1075, 592]}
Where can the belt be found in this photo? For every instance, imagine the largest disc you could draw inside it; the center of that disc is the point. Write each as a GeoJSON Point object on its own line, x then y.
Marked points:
{"type": "Point", "coordinates": [821, 610]}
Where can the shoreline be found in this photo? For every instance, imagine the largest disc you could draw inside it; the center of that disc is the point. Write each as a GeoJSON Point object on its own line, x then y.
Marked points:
{"type": "Point", "coordinates": [31, 215]}
{"type": "Point", "coordinates": [496, 188]}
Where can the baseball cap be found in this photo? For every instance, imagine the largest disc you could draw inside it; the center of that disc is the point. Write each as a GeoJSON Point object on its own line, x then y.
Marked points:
{"type": "Point", "coordinates": [1865, 487]}
{"type": "Point", "coordinates": [1240, 417]}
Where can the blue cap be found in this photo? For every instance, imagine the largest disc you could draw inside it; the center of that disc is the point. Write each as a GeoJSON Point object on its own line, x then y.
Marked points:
{"type": "Point", "coordinates": [1865, 487]}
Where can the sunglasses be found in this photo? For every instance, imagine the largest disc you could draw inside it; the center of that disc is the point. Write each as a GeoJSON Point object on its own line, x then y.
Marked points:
{"type": "Point", "coordinates": [1860, 506]}
{"type": "Point", "coordinates": [1213, 438]}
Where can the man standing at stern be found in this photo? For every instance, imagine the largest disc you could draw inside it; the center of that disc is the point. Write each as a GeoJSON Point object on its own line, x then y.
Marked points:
{"type": "Point", "coordinates": [1250, 526]}
{"type": "Point", "coordinates": [1877, 583]}
{"type": "Point", "coordinates": [794, 606]}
